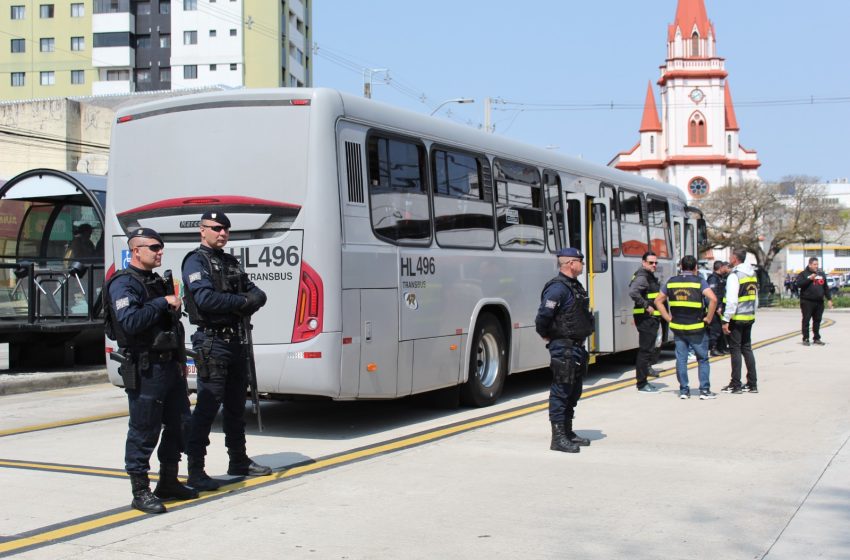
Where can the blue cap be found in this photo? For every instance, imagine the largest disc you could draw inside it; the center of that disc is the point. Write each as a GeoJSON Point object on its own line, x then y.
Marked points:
{"type": "Point", "coordinates": [144, 232]}
{"type": "Point", "coordinates": [218, 217]}
{"type": "Point", "coordinates": [570, 252]}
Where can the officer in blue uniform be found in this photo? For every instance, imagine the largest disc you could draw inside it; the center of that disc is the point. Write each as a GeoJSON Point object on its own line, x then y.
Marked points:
{"type": "Point", "coordinates": [564, 320]}
{"type": "Point", "coordinates": [144, 320]}
{"type": "Point", "coordinates": [216, 305]}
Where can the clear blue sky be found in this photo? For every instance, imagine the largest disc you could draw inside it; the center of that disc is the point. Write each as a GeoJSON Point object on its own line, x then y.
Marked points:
{"type": "Point", "coordinates": [586, 53]}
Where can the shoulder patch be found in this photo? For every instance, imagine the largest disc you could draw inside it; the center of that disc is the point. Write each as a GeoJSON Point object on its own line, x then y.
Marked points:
{"type": "Point", "coordinates": [194, 277]}
{"type": "Point", "coordinates": [122, 303]}
{"type": "Point", "coordinates": [551, 304]}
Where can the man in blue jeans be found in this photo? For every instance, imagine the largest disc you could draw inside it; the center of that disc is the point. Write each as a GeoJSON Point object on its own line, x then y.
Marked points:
{"type": "Point", "coordinates": [688, 317]}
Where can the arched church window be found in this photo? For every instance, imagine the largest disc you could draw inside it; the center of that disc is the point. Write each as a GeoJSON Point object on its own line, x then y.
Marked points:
{"type": "Point", "coordinates": [696, 130]}
{"type": "Point", "coordinates": [695, 44]}
{"type": "Point", "coordinates": [698, 187]}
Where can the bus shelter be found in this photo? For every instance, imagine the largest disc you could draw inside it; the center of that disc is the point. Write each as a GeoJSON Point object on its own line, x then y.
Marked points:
{"type": "Point", "coordinates": [51, 266]}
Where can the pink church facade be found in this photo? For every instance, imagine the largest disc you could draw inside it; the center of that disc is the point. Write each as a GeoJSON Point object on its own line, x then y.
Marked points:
{"type": "Point", "coordinates": [694, 143]}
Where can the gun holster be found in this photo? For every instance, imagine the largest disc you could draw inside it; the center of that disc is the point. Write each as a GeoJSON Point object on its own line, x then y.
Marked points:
{"type": "Point", "coordinates": [165, 341]}
{"type": "Point", "coordinates": [129, 372]}
{"type": "Point", "coordinates": [563, 371]}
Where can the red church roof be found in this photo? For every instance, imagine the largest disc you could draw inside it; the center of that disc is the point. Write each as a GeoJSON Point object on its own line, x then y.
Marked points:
{"type": "Point", "coordinates": [650, 122]}
{"type": "Point", "coordinates": [688, 14]}
{"type": "Point", "coordinates": [731, 121]}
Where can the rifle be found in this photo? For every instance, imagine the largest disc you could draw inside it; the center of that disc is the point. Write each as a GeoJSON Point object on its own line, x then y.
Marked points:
{"type": "Point", "coordinates": [176, 324]}
{"type": "Point", "coordinates": [247, 341]}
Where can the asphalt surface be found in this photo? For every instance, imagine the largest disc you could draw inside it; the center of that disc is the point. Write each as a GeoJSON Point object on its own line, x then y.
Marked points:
{"type": "Point", "coordinates": [762, 475]}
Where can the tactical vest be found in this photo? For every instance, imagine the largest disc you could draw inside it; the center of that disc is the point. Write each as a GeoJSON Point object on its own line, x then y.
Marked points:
{"type": "Point", "coordinates": [649, 294]}
{"type": "Point", "coordinates": [224, 272]}
{"type": "Point", "coordinates": [154, 287]}
{"type": "Point", "coordinates": [721, 288]}
{"type": "Point", "coordinates": [686, 306]}
{"type": "Point", "coordinates": [576, 321]}
{"type": "Point", "coordinates": [748, 289]}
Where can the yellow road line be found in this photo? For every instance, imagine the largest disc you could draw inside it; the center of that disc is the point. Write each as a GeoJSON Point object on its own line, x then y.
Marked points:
{"type": "Point", "coordinates": [62, 423]}
{"type": "Point", "coordinates": [378, 449]}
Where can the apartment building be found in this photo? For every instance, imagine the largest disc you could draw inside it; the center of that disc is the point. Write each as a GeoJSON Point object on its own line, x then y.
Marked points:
{"type": "Point", "coordinates": [98, 47]}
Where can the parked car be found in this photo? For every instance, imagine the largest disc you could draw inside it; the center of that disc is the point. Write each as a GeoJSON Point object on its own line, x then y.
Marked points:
{"type": "Point", "coordinates": [834, 283]}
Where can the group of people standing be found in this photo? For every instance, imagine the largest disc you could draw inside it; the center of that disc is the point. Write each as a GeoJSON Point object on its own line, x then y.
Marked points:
{"type": "Point", "coordinates": [705, 317]}
{"type": "Point", "coordinates": [144, 317]}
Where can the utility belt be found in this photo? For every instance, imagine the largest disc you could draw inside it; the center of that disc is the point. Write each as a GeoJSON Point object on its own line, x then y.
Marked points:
{"type": "Point", "coordinates": [224, 333]}
{"type": "Point", "coordinates": [134, 362]}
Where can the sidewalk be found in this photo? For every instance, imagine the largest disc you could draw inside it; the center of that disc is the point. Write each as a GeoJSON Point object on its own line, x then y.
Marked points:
{"type": "Point", "coordinates": [15, 383]}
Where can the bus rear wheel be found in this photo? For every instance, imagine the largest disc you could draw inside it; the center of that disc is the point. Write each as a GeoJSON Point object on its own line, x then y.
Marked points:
{"type": "Point", "coordinates": [488, 364]}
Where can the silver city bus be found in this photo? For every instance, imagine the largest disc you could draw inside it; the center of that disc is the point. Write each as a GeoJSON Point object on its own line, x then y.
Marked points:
{"type": "Point", "coordinates": [400, 253]}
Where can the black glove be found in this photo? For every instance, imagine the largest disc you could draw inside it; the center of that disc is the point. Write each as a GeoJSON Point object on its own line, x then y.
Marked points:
{"type": "Point", "coordinates": [254, 300]}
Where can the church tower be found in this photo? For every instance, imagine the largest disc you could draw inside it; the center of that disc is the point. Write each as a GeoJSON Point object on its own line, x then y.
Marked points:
{"type": "Point", "coordinates": [694, 144]}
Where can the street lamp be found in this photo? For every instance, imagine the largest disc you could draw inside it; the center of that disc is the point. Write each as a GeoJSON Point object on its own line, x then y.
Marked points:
{"type": "Point", "coordinates": [446, 102]}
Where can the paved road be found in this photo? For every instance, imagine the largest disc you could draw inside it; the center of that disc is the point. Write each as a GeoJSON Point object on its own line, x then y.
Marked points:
{"type": "Point", "coordinates": [744, 476]}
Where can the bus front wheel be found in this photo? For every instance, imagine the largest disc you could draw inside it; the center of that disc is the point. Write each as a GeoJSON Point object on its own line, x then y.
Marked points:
{"type": "Point", "coordinates": [488, 364]}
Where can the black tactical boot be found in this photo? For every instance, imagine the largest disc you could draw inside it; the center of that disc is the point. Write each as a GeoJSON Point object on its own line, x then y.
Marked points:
{"type": "Point", "coordinates": [143, 498]}
{"type": "Point", "coordinates": [560, 441]}
{"type": "Point", "coordinates": [198, 479]}
{"type": "Point", "coordinates": [572, 436]}
{"type": "Point", "coordinates": [169, 487]}
{"type": "Point", "coordinates": [242, 465]}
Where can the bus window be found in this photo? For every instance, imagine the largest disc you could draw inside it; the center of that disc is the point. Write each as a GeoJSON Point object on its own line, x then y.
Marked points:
{"type": "Point", "coordinates": [574, 223]}
{"type": "Point", "coordinates": [398, 191]}
{"type": "Point", "coordinates": [463, 209]}
{"type": "Point", "coordinates": [659, 227]}
{"type": "Point", "coordinates": [519, 206]}
{"type": "Point", "coordinates": [634, 242]}
{"type": "Point", "coordinates": [702, 236]}
{"type": "Point", "coordinates": [689, 240]}
{"type": "Point", "coordinates": [677, 234]}
{"type": "Point", "coordinates": [555, 224]}
{"type": "Point", "coordinates": [600, 238]}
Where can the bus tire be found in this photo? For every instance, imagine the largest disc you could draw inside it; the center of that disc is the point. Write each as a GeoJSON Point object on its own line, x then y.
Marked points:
{"type": "Point", "coordinates": [488, 364]}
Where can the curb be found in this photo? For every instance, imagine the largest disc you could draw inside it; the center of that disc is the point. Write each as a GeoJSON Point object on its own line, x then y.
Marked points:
{"type": "Point", "coordinates": [16, 383]}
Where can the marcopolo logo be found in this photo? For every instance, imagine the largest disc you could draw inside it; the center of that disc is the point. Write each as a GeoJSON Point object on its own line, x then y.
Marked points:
{"type": "Point", "coordinates": [190, 223]}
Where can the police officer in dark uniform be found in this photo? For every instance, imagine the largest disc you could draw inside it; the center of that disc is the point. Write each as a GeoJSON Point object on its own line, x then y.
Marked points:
{"type": "Point", "coordinates": [643, 289]}
{"type": "Point", "coordinates": [144, 319]}
{"type": "Point", "coordinates": [216, 305]}
{"type": "Point", "coordinates": [717, 345]}
{"type": "Point", "coordinates": [564, 320]}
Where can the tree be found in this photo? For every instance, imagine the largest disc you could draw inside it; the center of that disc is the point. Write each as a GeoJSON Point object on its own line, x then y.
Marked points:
{"type": "Point", "coordinates": [765, 218]}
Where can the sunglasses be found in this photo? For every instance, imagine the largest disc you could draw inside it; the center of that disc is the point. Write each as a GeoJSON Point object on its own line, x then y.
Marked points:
{"type": "Point", "coordinates": [156, 247]}
{"type": "Point", "coordinates": [217, 229]}
{"type": "Point", "coordinates": [651, 262]}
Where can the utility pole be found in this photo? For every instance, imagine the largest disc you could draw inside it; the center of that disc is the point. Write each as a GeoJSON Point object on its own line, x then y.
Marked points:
{"type": "Point", "coordinates": [367, 80]}
{"type": "Point", "coordinates": [488, 127]}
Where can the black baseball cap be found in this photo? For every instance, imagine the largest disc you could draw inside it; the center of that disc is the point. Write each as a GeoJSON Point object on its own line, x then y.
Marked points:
{"type": "Point", "coordinates": [570, 252]}
{"type": "Point", "coordinates": [145, 232]}
{"type": "Point", "coordinates": [218, 217]}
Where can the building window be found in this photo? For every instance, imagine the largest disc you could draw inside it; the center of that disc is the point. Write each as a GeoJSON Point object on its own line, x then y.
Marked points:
{"type": "Point", "coordinates": [106, 6]}
{"type": "Point", "coordinates": [48, 78]}
{"type": "Point", "coordinates": [112, 39]}
{"type": "Point", "coordinates": [190, 37]}
{"type": "Point", "coordinates": [143, 8]}
{"type": "Point", "coordinates": [45, 11]}
{"type": "Point", "coordinates": [233, 67]}
{"type": "Point", "coordinates": [143, 75]}
{"type": "Point", "coordinates": [696, 130]}
{"type": "Point", "coordinates": [18, 79]}
{"type": "Point", "coordinates": [190, 5]}
{"type": "Point", "coordinates": [19, 45]}
{"type": "Point", "coordinates": [729, 143]}
{"type": "Point", "coordinates": [78, 10]}
{"type": "Point", "coordinates": [212, 33]}
{"type": "Point", "coordinates": [78, 43]}
{"type": "Point", "coordinates": [143, 41]}
{"type": "Point", "coordinates": [164, 7]}
{"type": "Point", "coordinates": [47, 44]}
{"type": "Point", "coordinates": [698, 187]}
{"type": "Point", "coordinates": [165, 74]}
{"type": "Point", "coordinates": [695, 44]}
{"type": "Point", "coordinates": [190, 72]}
{"type": "Point", "coordinates": [78, 77]}
{"type": "Point", "coordinates": [293, 82]}
{"type": "Point", "coordinates": [233, 33]}
{"type": "Point", "coordinates": [117, 75]}
{"type": "Point", "coordinates": [213, 67]}
{"type": "Point", "coordinates": [165, 41]}
{"type": "Point", "coordinates": [19, 12]}
{"type": "Point", "coordinates": [652, 144]}
{"type": "Point", "coordinates": [841, 252]}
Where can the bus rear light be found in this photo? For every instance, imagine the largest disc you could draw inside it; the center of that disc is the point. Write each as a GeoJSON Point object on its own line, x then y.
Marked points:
{"type": "Point", "coordinates": [109, 350]}
{"type": "Point", "coordinates": [310, 305]}
{"type": "Point", "coordinates": [125, 118]}
{"type": "Point", "coordinates": [300, 101]}
{"type": "Point", "coordinates": [303, 355]}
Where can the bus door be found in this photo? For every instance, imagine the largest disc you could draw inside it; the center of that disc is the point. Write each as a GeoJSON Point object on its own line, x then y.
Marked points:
{"type": "Point", "coordinates": [599, 268]}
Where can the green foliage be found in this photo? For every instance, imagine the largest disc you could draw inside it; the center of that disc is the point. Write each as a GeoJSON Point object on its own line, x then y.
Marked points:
{"type": "Point", "coordinates": [839, 301]}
